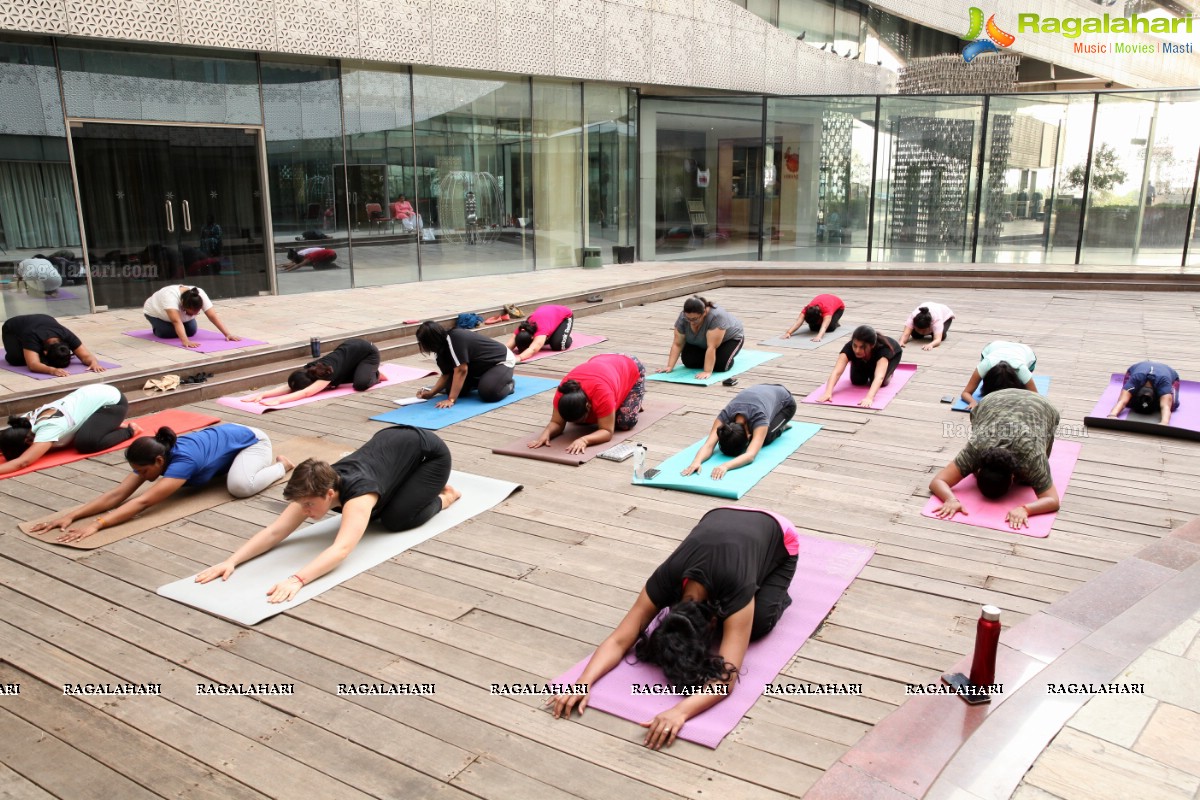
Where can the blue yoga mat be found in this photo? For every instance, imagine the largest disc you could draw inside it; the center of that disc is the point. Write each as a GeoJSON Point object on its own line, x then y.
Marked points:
{"type": "Point", "coordinates": [745, 360]}
{"type": "Point", "coordinates": [1042, 382]}
{"type": "Point", "coordinates": [736, 482]}
{"type": "Point", "coordinates": [427, 415]}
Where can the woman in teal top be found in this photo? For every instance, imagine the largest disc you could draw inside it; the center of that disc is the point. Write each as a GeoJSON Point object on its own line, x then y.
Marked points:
{"type": "Point", "coordinates": [89, 418]}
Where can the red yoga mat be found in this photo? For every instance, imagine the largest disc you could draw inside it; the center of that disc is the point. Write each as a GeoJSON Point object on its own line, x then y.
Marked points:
{"type": "Point", "coordinates": [175, 419]}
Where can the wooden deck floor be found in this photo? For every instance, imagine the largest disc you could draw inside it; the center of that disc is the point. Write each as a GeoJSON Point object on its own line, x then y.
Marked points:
{"type": "Point", "coordinates": [523, 591]}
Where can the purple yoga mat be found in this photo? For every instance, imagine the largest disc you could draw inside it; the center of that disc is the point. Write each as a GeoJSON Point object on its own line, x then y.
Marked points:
{"type": "Point", "coordinates": [578, 340]}
{"type": "Point", "coordinates": [76, 367]}
{"type": "Point", "coordinates": [1185, 420]}
{"type": "Point", "coordinates": [61, 294]}
{"type": "Point", "coordinates": [847, 394]}
{"type": "Point", "coordinates": [391, 375]}
{"type": "Point", "coordinates": [985, 513]}
{"type": "Point", "coordinates": [824, 571]}
{"type": "Point", "coordinates": [210, 341]}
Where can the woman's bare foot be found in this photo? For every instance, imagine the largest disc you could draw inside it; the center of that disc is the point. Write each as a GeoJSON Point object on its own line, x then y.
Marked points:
{"type": "Point", "coordinates": [449, 496]}
{"type": "Point", "coordinates": [288, 466]}
{"type": "Point", "coordinates": [135, 430]}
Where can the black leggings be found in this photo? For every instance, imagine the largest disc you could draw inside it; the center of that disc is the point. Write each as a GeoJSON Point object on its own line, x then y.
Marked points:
{"type": "Point", "coordinates": [931, 334]}
{"type": "Point", "coordinates": [833, 323]}
{"type": "Point", "coordinates": [14, 353]}
{"type": "Point", "coordinates": [782, 417]}
{"type": "Point", "coordinates": [772, 598]}
{"type": "Point", "coordinates": [561, 338]}
{"type": "Point", "coordinates": [102, 429]}
{"type": "Point", "coordinates": [493, 385]}
{"type": "Point", "coordinates": [693, 356]}
{"type": "Point", "coordinates": [862, 373]}
{"type": "Point", "coordinates": [417, 501]}
{"type": "Point", "coordinates": [366, 374]}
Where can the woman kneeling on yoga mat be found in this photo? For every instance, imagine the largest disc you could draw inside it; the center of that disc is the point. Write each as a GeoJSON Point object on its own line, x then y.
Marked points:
{"type": "Point", "coordinates": [1002, 365]}
{"type": "Point", "coordinates": [822, 315]}
{"type": "Point", "coordinates": [549, 325]}
{"type": "Point", "coordinates": [1149, 386]}
{"type": "Point", "coordinates": [754, 418]}
{"type": "Point", "coordinates": [872, 358]}
{"type": "Point", "coordinates": [930, 319]}
{"type": "Point", "coordinates": [397, 478]}
{"type": "Point", "coordinates": [172, 312]}
{"type": "Point", "coordinates": [726, 585]}
{"type": "Point", "coordinates": [40, 343]}
{"type": "Point", "coordinates": [468, 361]}
{"type": "Point", "coordinates": [353, 361]}
{"type": "Point", "coordinates": [605, 391]}
{"type": "Point", "coordinates": [707, 337]}
{"type": "Point", "coordinates": [89, 418]}
{"type": "Point", "coordinates": [192, 459]}
{"type": "Point", "coordinates": [1012, 434]}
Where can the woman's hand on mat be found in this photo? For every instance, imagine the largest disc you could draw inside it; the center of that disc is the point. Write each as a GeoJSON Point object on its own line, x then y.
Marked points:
{"type": "Point", "coordinates": [270, 401]}
{"type": "Point", "coordinates": [664, 728]}
{"type": "Point", "coordinates": [867, 402]}
{"type": "Point", "coordinates": [222, 571]}
{"type": "Point", "coordinates": [1018, 518]}
{"type": "Point", "coordinates": [284, 590]}
{"type": "Point", "coordinates": [689, 469]}
{"type": "Point", "coordinates": [718, 472]}
{"type": "Point", "coordinates": [816, 339]}
{"type": "Point", "coordinates": [51, 524]}
{"type": "Point", "coordinates": [564, 703]}
{"type": "Point", "coordinates": [785, 335]}
{"type": "Point", "coordinates": [95, 367]}
{"type": "Point", "coordinates": [75, 534]}
{"type": "Point", "coordinates": [59, 373]}
{"type": "Point", "coordinates": [703, 376]}
{"type": "Point", "coordinates": [949, 509]}
{"type": "Point", "coordinates": [826, 397]}
{"type": "Point", "coordinates": [927, 347]}
{"type": "Point", "coordinates": [252, 398]}
{"type": "Point", "coordinates": [578, 446]}
{"type": "Point", "coordinates": [229, 337]}
{"type": "Point", "coordinates": [190, 344]}
{"type": "Point", "coordinates": [541, 441]}
{"type": "Point", "coordinates": [447, 403]}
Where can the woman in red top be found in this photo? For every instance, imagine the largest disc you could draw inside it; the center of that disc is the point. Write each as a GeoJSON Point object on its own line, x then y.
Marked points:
{"type": "Point", "coordinates": [605, 391]}
{"type": "Point", "coordinates": [822, 315]}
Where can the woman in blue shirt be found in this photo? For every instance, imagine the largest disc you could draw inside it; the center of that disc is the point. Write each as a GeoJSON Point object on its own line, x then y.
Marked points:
{"type": "Point", "coordinates": [189, 460]}
{"type": "Point", "coordinates": [1149, 386]}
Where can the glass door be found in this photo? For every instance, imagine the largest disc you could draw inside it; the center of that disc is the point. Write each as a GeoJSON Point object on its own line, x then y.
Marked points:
{"type": "Point", "coordinates": [165, 203]}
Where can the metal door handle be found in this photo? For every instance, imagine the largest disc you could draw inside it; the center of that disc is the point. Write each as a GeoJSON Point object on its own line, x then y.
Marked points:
{"type": "Point", "coordinates": [170, 216]}
{"type": "Point", "coordinates": [187, 216]}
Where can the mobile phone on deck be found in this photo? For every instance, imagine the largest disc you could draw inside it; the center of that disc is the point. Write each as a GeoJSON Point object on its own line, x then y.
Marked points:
{"type": "Point", "coordinates": [948, 398]}
{"type": "Point", "coordinates": [650, 473]}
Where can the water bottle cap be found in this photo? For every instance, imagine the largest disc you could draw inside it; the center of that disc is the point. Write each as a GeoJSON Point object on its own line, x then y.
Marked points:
{"type": "Point", "coordinates": [991, 613]}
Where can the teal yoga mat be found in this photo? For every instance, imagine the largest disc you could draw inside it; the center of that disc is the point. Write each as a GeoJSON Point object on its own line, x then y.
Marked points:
{"type": "Point", "coordinates": [736, 482]}
{"type": "Point", "coordinates": [427, 415]}
{"type": "Point", "coordinates": [744, 361]}
{"type": "Point", "coordinates": [1042, 382]}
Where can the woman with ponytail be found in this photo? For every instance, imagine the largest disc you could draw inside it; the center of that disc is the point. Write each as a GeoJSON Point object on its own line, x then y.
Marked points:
{"type": "Point", "coordinates": [1002, 365]}
{"type": "Point", "coordinates": [549, 325]}
{"type": "Point", "coordinates": [929, 320]}
{"type": "Point", "coordinates": [707, 337]}
{"type": "Point", "coordinates": [192, 459]}
{"type": "Point", "coordinates": [605, 391]}
{"type": "Point", "coordinates": [468, 361]}
{"type": "Point", "coordinates": [725, 586]}
{"type": "Point", "coordinates": [354, 361]}
{"type": "Point", "coordinates": [821, 315]}
{"type": "Point", "coordinates": [172, 312]}
{"type": "Point", "coordinates": [89, 419]}
{"type": "Point", "coordinates": [872, 359]}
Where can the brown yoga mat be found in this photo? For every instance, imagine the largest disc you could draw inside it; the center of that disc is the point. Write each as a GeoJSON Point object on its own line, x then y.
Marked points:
{"type": "Point", "coordinates": [556, 451]}
{"type": "Point", "coordinates": [186, 501]}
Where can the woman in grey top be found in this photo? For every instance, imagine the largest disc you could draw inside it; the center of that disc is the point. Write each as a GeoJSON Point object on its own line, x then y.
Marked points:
{"type": "Point", "coordinates": [707, 337]}
{"type": "Point", "coordinates": [753, 419]}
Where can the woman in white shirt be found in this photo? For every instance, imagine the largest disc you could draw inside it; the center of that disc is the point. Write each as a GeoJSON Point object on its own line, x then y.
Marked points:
{"type": "Point", "coordinates": [930, 319]}
{"type": "Point", "coordinates": [172, 312]}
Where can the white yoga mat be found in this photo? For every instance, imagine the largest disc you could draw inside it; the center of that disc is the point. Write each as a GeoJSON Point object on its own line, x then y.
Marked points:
{"type": "Point", "coordinates": [243, 598]}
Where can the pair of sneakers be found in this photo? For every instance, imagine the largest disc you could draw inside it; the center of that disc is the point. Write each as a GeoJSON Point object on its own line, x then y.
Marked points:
{"type": "Point", "coordinates": [199, 377]}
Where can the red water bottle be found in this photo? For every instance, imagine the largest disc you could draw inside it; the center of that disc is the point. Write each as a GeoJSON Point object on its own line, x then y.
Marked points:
{"type": "Point", "coordinates": [987, 637]}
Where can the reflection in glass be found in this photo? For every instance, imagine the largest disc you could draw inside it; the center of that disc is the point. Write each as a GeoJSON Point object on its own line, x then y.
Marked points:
{"type": "Point", "coordinates": [610, 164]}
{"type": "Point", "coordinates": [557, 144]}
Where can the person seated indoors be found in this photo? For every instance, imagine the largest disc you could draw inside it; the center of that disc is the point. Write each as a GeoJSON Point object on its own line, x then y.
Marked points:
{"type": "Point", "coordinates": [468, 361]}
{"type": "Point", "coordinates": [315, 257]}
{"type": "Point", "coordinates": [1002, 365]}
{"type": "Point", "coordinates": [39, 343]}
{"type": "Point", "coordinates": [707, 337]}
{"type": "Point", "coordinates": [354, 361]}
{"type": "Point", "coordinates": [822, 315]}
{"type": "Point", "coordinates": [89, 419]}
{"type": "Point", "coordinates": [605, 391]}
{"type": "Point", "coordinates": [725, 586]}
{"type": "Point", "coordinates": [1149, 386]}
{"type": "Point", "coordinates": [241, 453]}
{"type": "Point", "coordinates": [930, 319]}
{"type": "Point", "coordinates": [403, 211]}
{"type": "Point", "coordinates": [872, 358]}
{"type": "Point", "coordinates": [398, 478]}
{"type": "Point", "coordinates": [754, 418]}
{"type": "Point", "coordinates": [1012, 434]}
{"type": "Point", "coordinates": [549, 325]}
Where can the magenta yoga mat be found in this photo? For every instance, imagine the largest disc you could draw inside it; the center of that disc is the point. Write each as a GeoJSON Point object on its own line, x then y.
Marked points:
{"type": "Point", "coordinates": [76, 367]}
{"type": "Point", "coordinates": [578, 340]}
{"type": "Point", "coordinates": [985, 513]}
{"type": "Point", "coordinates": [210, 341]}
{"type": "Point", "coordinates": [1185, 420]}
{"type": "Point", "coordinates": [847, 394]}
{"type": "Point", "coordinates": [390, 374]}
{"type": "Point", "coordinates": [825, 569]}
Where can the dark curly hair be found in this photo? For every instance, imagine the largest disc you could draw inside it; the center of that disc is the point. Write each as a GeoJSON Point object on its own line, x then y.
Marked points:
{"type": "Point", "coordinates": [1000, 376]}
{"type": "Point", "coordinates": [994, 475]}
{"type": "Point", "coordinates": [680, 646]}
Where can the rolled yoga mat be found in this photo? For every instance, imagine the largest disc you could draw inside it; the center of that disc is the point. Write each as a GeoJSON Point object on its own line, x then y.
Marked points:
{"type": "Point", "coordinates": [556, 451]}
{"type": "Point", "coordinates": [390, 375]}
{"type": "Point", "coordinates": [1185, 420]}
{"type": "Point", "coordinates": [243, 598]}
{"type": "Point", "coordinates": [742, 362]}
{"type": "Point", "coordinates": [185, 502]}
{"type": "Point", "coordinates": [210, 341]}
{"type": "Point", "coordinates": [1042, 382]}
{"type": "Point", "coordinates": [736, 482]}
{"type": "Point", "coordinates": [985, 513]}
{"type": "Point", "coordinates": [427, 415]}
{"type": "Point", "coordinates": [578, 340]}
{"type": "Point", "coordinates": [847, 394]}
{"type": "Point", "coordinates": [823, 572]}
{"type": "Point", "coordinates": [176, 420]}
{"type": "Point", "coordinates": [802, 339]}
{"type": "Point", "coordinates": [76, 367]}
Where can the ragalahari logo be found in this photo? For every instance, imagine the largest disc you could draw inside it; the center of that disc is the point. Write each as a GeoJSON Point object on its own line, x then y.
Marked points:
{"type": "Point", "coordinates": [995, 39]}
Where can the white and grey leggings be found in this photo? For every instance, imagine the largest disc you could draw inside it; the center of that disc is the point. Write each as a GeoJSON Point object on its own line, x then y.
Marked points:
{"type": "Point", "coordinates": [254, 469]}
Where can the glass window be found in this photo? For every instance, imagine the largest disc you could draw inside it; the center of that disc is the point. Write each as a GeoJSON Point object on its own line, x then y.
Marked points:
{"type": "Point", "coordinates": [557, 171]}
{"type": "Point", "coordinates": [611, 142]}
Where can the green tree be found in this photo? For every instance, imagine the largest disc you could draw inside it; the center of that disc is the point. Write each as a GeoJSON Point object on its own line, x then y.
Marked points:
{"type": "Point", "coordinates": [1106, 171]}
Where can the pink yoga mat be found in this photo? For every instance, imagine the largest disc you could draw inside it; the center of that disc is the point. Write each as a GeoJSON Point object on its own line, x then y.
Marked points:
{"type": "Point", "coordinates": [210, 341]}
{"type": "Point", "coordinates": [824, 571]}
{"type": "Point", "coordinates": [578, 340]}
{"type": "Point", "coordinates": [1185, 420]}
{"type": "Point", "coordinates": [556, 451]}
{"type": "Point", "coordinates": [985, 513]}
{"type": "Point", "coordinates": [391, 375]}
{"type": "Point", "coordinates": [76, 367]}
{"type": "Point", "coordinates": [847, 394]}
